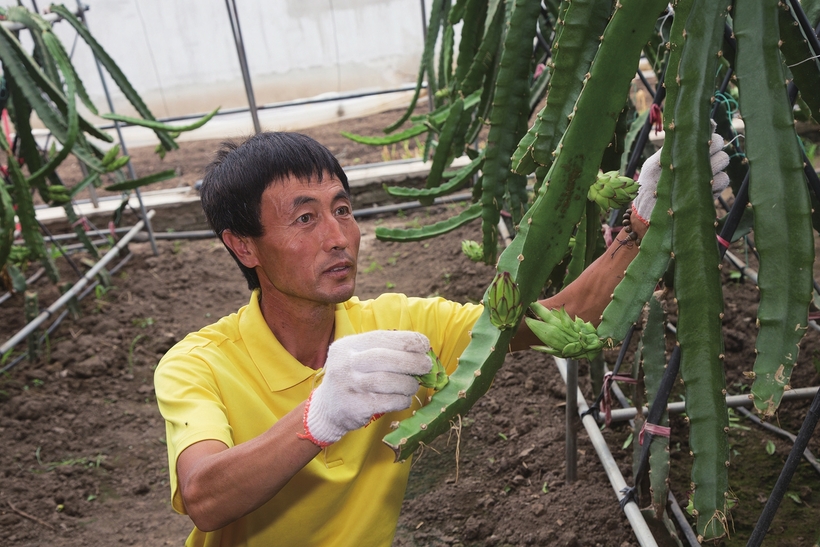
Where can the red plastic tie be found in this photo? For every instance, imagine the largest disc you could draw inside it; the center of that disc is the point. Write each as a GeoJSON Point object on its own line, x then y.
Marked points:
{"type": "Point", "coordinates": [725, 244]}
{"type": "Point", "coordinates": [654, 429]}
{"type": "Point", "coordinates": [6, 125]}
{"type": "Point", "coordinates": [606, 402]}
{"type": "Point", "coordinates": [656, 118]}
{"type": "Point", "coordinates": [82, 221]}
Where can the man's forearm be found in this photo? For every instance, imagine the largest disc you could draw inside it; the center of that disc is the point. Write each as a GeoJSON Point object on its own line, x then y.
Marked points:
{"type": "Point", "coordinates": [220, 485]}
{"type": "Point", "coordinates": [591, 292]}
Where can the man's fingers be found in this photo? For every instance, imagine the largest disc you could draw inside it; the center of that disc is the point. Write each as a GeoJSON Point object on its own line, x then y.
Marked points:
{"type": "Point", "coordinates": [719, 162]}
{"type": "Point", "coordinates": [400, 340]}
{"type": "Point", "coordinates": [390, 360]}
{"type": "Point", "coordinates": [716, 144]}
{"type": "Point", "coordinates": [382, 404]}
{"type": "Point", "coordinates": [386, 383]}
{"type": "Point", "coordinates": [719, 183]}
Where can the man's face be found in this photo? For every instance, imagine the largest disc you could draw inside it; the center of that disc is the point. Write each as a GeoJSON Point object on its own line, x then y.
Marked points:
{"type": "Point", "coordinates": [310, 244]}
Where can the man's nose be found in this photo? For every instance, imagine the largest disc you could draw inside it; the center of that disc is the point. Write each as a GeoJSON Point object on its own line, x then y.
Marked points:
{"type": "Point", "coordinates": [335, 235]}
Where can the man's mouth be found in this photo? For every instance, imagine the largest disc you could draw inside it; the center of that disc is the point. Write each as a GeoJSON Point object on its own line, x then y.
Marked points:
{"type": "Point", "coordinates": [342, 267]}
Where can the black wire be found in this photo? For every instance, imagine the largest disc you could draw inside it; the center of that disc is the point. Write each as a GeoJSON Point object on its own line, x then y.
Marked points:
{"type": "Point", "coordinates": [646, 83]}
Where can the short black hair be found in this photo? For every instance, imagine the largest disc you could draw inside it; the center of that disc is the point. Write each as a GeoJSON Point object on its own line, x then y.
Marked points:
{"type": "Point", "coordinates": [231, 191]}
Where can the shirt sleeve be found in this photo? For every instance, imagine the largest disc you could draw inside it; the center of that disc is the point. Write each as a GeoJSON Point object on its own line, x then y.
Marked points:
{"type": "Point", "coordinates": [188, 399]}
{"type": "Point", "coordinates": [447, 324]}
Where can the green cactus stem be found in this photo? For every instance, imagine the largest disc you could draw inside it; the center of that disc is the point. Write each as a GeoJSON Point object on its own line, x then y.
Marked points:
{"type": "Point", "coordinates": [508, 123]}
{"type": "Point", "coordinates": [580, 29]}
{"type": "Point", "coordinates": [461, 178]}
{"type": "Point", "coordinates": [698, 29]}
{"type": "Point", "coordinates": [653, 358]}
{"type": "Point", "coordinates": [780, 200]}
{"type": "Point", "coordinates": [546, 227]}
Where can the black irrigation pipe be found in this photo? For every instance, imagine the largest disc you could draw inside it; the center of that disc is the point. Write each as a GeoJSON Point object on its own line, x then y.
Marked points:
{"type": "Point", "coordinates": [780, 432]}
{"type": "Point", "coordinates": [683, 524]}
{"type": "Point", "coordinates": [779, 490]}
{"type": "Point", "coordinates": [541, 42]}
{"type": "Point", "coordinates": [806, 26]}
{"type": "Point", "coordinates": [646, 84]}
{"type": "Point", "coordinates": [284, 104]}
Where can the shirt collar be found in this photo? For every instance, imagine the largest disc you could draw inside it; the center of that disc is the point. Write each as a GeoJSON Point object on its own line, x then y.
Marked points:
{"type": "Point", "coordinates": [279, 368]}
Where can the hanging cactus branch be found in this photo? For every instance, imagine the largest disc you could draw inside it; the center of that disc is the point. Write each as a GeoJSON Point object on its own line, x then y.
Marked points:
{"type": "Point", "coordinates": [46, 83]}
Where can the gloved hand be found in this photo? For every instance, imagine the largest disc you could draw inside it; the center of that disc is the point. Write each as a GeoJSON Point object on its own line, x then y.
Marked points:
{"type": "Point", "coordinates": [643, 204]}
{"type": "Point", "coordinates": [365, 375]}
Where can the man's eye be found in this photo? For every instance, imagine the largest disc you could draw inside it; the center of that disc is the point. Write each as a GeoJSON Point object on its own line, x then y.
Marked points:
{"type": "Point", "coordinates": [304, 218]}
{"type": "Point", "coordinates": [343, 210]}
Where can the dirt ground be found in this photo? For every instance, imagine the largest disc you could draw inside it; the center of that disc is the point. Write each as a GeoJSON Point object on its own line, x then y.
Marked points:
{"type": "Point", "coordinates": [83, 458]}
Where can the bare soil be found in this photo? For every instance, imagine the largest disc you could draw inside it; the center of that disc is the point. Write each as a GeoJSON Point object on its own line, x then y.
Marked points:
{"type": "Point", "coordinates": [83, 458]}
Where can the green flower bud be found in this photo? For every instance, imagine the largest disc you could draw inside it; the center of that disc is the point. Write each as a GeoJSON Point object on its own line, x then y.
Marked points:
{"type": "Point", "coordinates": [437, 377]}
{"type": "Point", "coordinates": [504, 301]}
{"type": "Point", "coordinates": [611, 191]}
{"type": "Point", "coordinates": [563, 336]}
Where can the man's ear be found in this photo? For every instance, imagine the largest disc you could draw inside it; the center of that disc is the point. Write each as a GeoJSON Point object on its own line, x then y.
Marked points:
{"type": "Point", "coordinates": [242, 247]}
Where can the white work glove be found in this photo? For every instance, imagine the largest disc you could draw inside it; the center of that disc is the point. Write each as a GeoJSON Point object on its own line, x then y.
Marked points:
{"type": "Point", "coordinates": [365, 375]}
{"type": "Point", "coordinates": [644, 202]}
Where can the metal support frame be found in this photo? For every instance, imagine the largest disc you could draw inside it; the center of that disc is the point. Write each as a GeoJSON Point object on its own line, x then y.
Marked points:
{"type": "Point", "coordinates": [430, 102]}
{"type": "Point", "coordinates": [131, 172]}
{"type": "Point", "coordinates": [616, 479]}
{"type": "Point", "coordinates": [571, 411]}
{"type": "Point", "coordinates": [236, 30]}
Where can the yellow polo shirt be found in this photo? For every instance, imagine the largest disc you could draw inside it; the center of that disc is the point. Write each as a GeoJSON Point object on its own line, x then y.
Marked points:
{"type": "Point", "coordinates": [232, 380]}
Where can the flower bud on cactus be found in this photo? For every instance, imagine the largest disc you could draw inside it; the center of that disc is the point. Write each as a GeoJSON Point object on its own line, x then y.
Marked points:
{"type": "Point", "coordinates": [611, 191]}
{"type": "Point", "coordinates": [504, 301]}
{"type": "Point", "coordinates": [473, 250]}
{"type": "Point", "coordinates": [563, 336]}
{"type": "Point", "coordinates": [437, 377]}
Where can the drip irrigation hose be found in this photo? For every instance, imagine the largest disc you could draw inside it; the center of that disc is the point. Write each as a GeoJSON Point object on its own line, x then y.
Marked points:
{"type": "Point", "coordinates": [81, 283]}
{"type": "Point", "coordinates": [60, 249]}
{"type": "Point", "coordinates": [37, 275]}
{"type": "Point", "coordinates": [782, 433]}
{"type": "Point", "coordinates": [779, 490]}
{"type": "Point", "coordinates": [56, 323]}
{"type": "Point", "coordinates": [616, 479]}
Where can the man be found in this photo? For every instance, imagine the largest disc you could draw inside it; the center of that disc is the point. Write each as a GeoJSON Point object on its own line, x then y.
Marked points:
{"type": "Point", "coordinates": [258, 454]}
